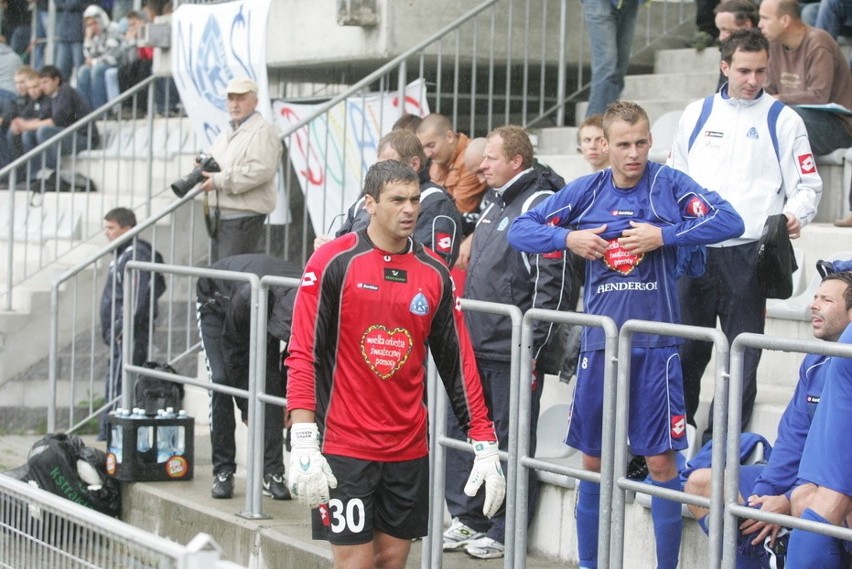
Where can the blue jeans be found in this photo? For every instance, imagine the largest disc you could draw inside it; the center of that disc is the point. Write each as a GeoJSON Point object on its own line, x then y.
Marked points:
{"type": "Point", "coordinates": [31, 139]}
{"type": "Point", "coordinates": [69, 56]}
{"type": "Point", "coordinates": [611, 35]}
{"type": "Point", "coordinates": [834, 15]}
{"type": "Point", "coordinates": [91, 83]}
{"type": "Point", "coordinates": [825, 130]}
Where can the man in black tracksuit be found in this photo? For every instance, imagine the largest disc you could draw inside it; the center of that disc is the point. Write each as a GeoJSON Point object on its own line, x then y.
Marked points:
{"type": "Point", "coordinates": [224, 319]}
{"type": "Point", "coordinates": [497, 272]}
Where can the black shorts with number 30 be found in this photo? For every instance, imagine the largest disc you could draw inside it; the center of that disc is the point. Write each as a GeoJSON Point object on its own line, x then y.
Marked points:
{"type": "Point", "coordinates": [390, 497]}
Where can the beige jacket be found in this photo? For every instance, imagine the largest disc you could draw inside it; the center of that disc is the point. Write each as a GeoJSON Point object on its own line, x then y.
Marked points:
{"type": "Point", "coordinates": [249, 158]}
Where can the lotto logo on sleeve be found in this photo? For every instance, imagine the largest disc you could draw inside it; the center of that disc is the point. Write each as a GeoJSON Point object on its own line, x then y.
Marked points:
{"type": "Point", "coordinates": [443, 242]}
{"type": "Point", "coordinates": [309, 279]}
{"type": "Point", "coordinates": [696, 207]}
{"type": "Point", "coordinates": [807, 165]}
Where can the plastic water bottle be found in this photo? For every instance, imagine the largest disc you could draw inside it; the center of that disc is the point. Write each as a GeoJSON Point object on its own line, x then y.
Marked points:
{"type": "Point", "coordinates": [144, 436]}
{"type": "Point", "coordinates": [116, 439]}
{"type": "Point", "coordinates": [180, 435]}
{"type": "Point", "coordinates": [165, 436]}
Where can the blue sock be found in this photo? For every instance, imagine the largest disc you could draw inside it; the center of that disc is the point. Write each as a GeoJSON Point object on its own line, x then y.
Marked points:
{"type": "Point", "coordinates": [588, 515]}
{"type": "Point", "coordinates": [808, 550]}
{"type": "Point", "coordinates": [668, 525]}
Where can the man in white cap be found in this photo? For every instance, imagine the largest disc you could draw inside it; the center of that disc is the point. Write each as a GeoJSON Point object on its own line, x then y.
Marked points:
{"type": "Point", "coordinates": [242, 193]}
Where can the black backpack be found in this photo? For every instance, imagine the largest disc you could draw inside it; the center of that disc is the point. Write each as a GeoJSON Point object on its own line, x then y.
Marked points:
{"type": "Point", "coordinates": [153, 393]}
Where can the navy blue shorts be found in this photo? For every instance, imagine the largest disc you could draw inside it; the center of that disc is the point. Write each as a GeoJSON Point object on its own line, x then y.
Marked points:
{"type": "Point", "coordinates": [390, 497]}
{"type": "Point", "coordinates": [657, 415]}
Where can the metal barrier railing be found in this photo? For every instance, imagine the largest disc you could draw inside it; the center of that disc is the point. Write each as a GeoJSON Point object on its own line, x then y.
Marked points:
{"type": "Point", "coordinates": [433, 547]}
{"type": "Point", "coordinates": [621, 482]}
{"type": "Point", "coordinates": [732, 507]}
{"type": "Point", "coordinates": [39, 529]}
{"type": "Point", "coordinates": [523, 458]}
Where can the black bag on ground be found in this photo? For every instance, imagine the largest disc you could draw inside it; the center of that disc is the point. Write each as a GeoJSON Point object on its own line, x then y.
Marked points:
{"type": "Point", "coordinates": [68, 182]}
{"type": "Point", "coordinates": [153, 393]}
{"type": "Point", "coordinates": [58, 464]}
{"type": "Point", "coordinates": [776, 261]}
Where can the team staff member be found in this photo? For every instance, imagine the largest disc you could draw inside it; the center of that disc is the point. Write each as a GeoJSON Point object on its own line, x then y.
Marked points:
{"type": "Point", "coordinates": [632, 222]}
{"type": "Point", "coordinates": [754, 152]}
{"type": "Point", "coordinates": [356, 398]}
{"type": "Point", "coordinates": [242, 194]}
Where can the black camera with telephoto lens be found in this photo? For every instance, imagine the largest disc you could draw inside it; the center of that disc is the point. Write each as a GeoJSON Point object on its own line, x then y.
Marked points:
{"type": "Point", "coordinates": [204, 163]}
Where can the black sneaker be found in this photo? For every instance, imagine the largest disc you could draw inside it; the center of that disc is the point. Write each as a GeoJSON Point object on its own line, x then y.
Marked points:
{"type": "Point", "coordinates": [223, 486]}
{"type": "Point", "coordinates": [275, 487]}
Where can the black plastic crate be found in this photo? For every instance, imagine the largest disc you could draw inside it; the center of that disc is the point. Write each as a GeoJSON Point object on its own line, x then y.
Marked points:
{"type": "Point", "coordinates": [137, 466]}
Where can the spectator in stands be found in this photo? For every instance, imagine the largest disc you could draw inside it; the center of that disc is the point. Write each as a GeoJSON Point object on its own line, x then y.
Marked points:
{"type": "Point", "coordinates": [392, 300]}
{"type": "Point", "coordinates": [769, 487]}
{"type": "Point", "coordinates": [834, 16]}
{"type": "Point", "coordinates": [30, 110]}
{"type": "Point", "coordinates": [408, 122]}
{"type": "Point", "coordinates": [438, 223]}
{"type": "Point", "coordinates": [635, 250]}
{"type": "Point", "coordinates": [117, 222]}
{"type": "Point", "coordinates": [768, 169]}
{"type": "Point", "coordinates": [224, 322]}
{"type": "Point", "coordinates": [9, 111]}
{"type": "Point", "coordinates": [611, 25]}
{"type": "Point", "coordinates": [102, 50]}
{"type": "Point", "coordinates": [66, 108]}
{"type": "Point", "coordinates": [733, 15]}
{"type": "Point", "coordinates": [445, 148]}
{"type": "Point", "coordinates": [17, 22]}
{"type": "Point", "coordinates": [806, 67]}
{"type": "Point", "coordinates": [69, 36]}
{"type": "Point", "coordinates": [9, 63]}
{"type": "Point", "coordinates": [500, 273]}
{"type": "Point", "coordinates": [243, 193]}
{"type": "Point", "coordinates": [826, 465]}
{"type": "Point", "coordinates": [135, 64]}
{"type": "Point", "coordinates": [37, 44]}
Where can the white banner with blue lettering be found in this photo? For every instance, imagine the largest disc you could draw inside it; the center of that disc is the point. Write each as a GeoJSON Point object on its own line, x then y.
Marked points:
{"type": "Point", "coordinates": [212, 44]}
{"type": "Point", "coordinates": [332, 153]}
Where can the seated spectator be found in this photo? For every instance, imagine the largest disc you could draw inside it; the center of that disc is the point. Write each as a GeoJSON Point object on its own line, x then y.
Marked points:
{"type": "Point", "coordinates": [10, 110]}
{"type": "Point", "coordinates": [769, 487]}
{"type": "Point", "coordinates": [9, 62]}
{"type": "Point", "coordinates": [66, 108]}
{"type": "Point", "coordinates": [806, 67]}
{"type": "Point", "coordinates": [135, 63]}
{"type": "Point", "coordinates": [102, 49]}
{"type": "Point", "coordinates": [33, 108]}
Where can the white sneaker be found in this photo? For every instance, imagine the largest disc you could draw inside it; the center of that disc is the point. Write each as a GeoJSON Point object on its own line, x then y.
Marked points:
{"type": "Point", "coordinates": [459, 535]}
{"type": "Point", "coordinates": [484, 548]}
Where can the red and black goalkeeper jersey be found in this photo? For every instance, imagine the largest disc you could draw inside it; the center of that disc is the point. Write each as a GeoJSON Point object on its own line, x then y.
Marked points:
{"type": "Point", "coordinates": [362, 324]}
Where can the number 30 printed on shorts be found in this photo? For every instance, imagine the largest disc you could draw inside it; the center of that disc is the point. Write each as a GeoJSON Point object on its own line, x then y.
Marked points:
{"type": "Point", "coordinates": [350, 517]}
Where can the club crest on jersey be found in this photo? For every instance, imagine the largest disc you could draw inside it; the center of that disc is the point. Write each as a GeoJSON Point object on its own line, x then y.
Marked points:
{"type": "Point", "coordinates": [504, 223]}
{"type": "Point", "coordinates": [443, 242]}
{"type": "Point", "coordinates": [696, 207]}
{"type": "Point", "coordinates": [678, 423]}
{"type": "Point", "coordinates": [807, 164]}
{"type": "Point", "coordinates": [419, 305]}
{"type": "Point", "coordinates": [385, 351]}
{"type": "Point", "coordinates": [619, 259]}
{"type": "Point", "coordinates": [752, 133]}
{"type": "Point", "coordinates": [396, 275]}
{"type": "Point", "coordinates": [309, 279]}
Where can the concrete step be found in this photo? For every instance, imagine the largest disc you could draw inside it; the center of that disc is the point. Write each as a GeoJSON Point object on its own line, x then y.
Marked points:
{"type": "Point", "coordinates": [654, 107]}
{"type": "Point", "coordinates": [686, 61]}
{"type": "Point", "coordinates": [668, 85]}
{"type": "Point", "coordinates": [557, 140]}
{"type": "Point", "coordinates": [569, 166]}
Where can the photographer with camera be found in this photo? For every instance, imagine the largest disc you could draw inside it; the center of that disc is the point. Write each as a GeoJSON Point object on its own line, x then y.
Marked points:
{"type": "Point", "coordinates": [238, 175]}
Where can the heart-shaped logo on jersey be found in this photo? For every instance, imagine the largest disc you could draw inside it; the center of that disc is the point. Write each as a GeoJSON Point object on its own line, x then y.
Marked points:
{"type": "Point", "coordinates": [385, 351]}
{"type": "Point", "coordinates": [620, 259]}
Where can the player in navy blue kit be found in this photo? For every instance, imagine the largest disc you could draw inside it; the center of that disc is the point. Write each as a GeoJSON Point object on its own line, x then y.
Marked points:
{"type": "Point", "coordinates": [641, 225]}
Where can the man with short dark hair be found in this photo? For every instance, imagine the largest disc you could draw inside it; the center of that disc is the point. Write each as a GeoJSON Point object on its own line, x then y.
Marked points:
{"type": "Point", "coordinates": [369, 306]}
{"type": "Point", "coordinates": [117, 222]}
{"type": "Point", "coordinates": [754, 152]}
{"type": "Point", "coordinates": [639, 225]}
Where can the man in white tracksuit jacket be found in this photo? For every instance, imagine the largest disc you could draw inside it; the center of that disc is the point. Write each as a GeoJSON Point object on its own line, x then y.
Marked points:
{"type": "Point", "coordinates": [754, 151]}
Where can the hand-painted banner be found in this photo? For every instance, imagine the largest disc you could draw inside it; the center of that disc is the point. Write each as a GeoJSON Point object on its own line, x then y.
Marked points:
{"type": "Point", "coordinates": [212, 44]}
{"type": "Point", "coordinates": [332, 153]}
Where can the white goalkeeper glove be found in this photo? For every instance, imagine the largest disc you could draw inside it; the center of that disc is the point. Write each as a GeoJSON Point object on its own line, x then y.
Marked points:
{"type": "Point", "coordinates": [486, 468]}
{"type": "Point", "coordinates": [310, 475]}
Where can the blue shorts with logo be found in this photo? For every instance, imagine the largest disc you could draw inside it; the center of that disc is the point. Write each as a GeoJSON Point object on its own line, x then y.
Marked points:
{"type": "Point", "coordinates": [657, 410]}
